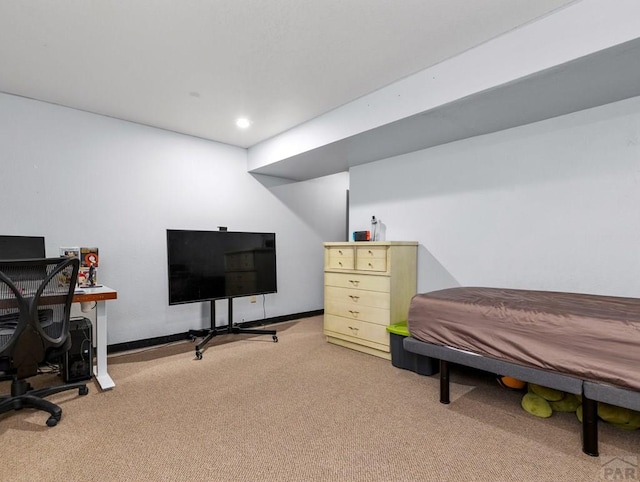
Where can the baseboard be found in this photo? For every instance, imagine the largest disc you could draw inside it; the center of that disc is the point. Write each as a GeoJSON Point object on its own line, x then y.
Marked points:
{"type": "Point", "coordinates": [163, 340]}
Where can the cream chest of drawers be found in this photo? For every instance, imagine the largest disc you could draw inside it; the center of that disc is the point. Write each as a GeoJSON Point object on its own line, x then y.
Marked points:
{"type": "Point", "coordinates": [367, 286]}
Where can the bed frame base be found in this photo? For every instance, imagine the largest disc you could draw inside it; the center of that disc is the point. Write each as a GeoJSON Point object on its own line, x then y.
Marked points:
{"type": "Point", "coordinates": [589, 413]}
{"type": "Point", "coordinates": [591, 392]}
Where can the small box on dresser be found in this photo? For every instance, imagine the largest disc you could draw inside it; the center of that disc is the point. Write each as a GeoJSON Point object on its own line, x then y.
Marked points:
{"type": "Point", "coordinates": [367, 287]}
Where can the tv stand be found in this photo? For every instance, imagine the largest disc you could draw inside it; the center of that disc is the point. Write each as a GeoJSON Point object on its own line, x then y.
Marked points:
{"type": "Point", "coordinates": [207, 334]}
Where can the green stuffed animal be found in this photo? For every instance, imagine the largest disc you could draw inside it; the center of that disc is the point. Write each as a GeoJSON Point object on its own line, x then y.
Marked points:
{"type": "Point", "coordinates": [539, 400]}
{"type": "Point", "coordinates": [543, 401]}
{"type": "Point", "coordinates": [536, 405]}
{"type": "Point", "coordinates": [568, 403]}
{"type": "Point", "coordinates": [619, 417]}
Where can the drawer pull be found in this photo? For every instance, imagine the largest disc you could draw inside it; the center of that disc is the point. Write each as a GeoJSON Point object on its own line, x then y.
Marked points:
{"type": "Point", "coordinates": [340, 251]}
{"type": "Point", "coordinates": [340, 263]}
{"type": "Point", "coordinates": [354, 329]}
{"type": "Point", "coordinates": [354, 282]}
{"type": "Point", "coordinates": [354, 297]}
{"type": "Point", "coordinates": [370, 265]}
{"type": "Point", "coordinates": [354, 313]}
{"type": "Point", "coordinates": [371, 252]}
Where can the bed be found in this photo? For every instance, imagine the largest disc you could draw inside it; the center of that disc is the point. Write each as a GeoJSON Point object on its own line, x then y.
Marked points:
{"type": "Point", "coordinates": [578, 343]}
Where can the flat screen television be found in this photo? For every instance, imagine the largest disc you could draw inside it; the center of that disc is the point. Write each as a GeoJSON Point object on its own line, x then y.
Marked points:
{"type": "Point", "coordinates": [21, 247]}
{"type": "Point", "coordinates": [211, 265]}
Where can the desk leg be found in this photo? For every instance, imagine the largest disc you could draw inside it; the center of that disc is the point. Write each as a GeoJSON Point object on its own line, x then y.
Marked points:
{"type": "Point", "coordinates": [100, 370]}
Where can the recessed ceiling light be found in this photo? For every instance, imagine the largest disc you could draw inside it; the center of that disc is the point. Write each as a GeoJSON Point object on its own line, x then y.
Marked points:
{"type": "Point", "coordinates": [243, 123]}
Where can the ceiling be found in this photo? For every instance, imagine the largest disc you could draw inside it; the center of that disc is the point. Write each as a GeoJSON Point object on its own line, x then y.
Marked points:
{"type": "Point", "coordinates": [194, 66]}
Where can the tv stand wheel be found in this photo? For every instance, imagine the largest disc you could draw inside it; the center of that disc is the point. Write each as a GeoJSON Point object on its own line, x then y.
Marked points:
{"type": "Point", "coordinates": [275, 338]}
{"type": "Point", "coordinates": [199, 355]}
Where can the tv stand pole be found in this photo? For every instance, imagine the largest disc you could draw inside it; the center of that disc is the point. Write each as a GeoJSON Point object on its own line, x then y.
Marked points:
{"type": "Point", "coordinates": [229, 329]}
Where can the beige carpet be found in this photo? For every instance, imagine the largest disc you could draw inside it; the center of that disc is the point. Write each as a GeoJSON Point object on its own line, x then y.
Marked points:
{"type": "Point", "coordinates": [297, 410]}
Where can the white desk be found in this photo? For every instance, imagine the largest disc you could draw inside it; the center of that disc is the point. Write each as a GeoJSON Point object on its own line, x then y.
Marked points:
{"type": "Point", "coordinates": [100, 296]}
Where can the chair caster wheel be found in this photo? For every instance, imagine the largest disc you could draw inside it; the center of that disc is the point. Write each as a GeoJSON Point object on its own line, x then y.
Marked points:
{"type": "Point", "coordinates": [275, 339]}
{"type": "Point", "coordinates": [199, 355]}
{"type": "Point", "coordinates": [52, 421]}
{"type": "Point", "coordinates": [83, 390]}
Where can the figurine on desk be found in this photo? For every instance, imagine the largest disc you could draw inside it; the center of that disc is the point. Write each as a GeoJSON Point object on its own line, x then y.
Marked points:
{"type": "Point", "coordinates": [92, 276]}
{"type": "Point", "coordinates": [88, 274]}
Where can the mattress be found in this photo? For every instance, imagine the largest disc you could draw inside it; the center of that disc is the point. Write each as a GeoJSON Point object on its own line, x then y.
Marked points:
{"type": "Point", "coordinates": [592, 337]}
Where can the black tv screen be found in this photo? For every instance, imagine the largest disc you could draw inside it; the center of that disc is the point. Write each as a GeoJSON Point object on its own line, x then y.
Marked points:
{"type": "Point", "coordinates": [210, 265]}
{"type": "Point", "coordinates": [22, 247]}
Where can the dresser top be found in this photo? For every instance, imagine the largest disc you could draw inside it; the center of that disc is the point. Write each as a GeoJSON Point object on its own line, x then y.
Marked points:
{"type": "Point", "coordinates": [371, 243]}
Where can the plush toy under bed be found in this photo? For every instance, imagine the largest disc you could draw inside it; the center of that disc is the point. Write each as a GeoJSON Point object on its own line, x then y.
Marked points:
{"type": "Point", "coordinates": [542, 402]}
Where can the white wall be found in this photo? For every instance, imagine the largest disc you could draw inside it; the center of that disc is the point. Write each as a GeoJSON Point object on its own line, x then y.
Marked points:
{"type": "Point", "coordinates": [551, 205]}
{"type": "Point", "coordinates": [85, 180]}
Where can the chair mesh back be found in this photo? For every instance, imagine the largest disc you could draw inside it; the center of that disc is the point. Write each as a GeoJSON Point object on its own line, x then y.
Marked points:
{"type": "Point", "coordinates": [9, 314]}
{"type": "Point", "coordinates": [35, 300]}
{"type": "Point", "coordinates": [53, 302]}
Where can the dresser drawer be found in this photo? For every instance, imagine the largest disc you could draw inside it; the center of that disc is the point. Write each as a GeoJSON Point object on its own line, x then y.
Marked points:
{"type": "Point", "coordinates": [357, 330]}
{"type": "Point", "coordinates": [358, 281]}
{"type": "Point", "coordinates": [371, 258]}
{"type": "Point", "coordinates": [340, 257]}
{"type": "Point", "coordinates": [352, 311]}
{"type": "Point", "coordinates": [358, 297]}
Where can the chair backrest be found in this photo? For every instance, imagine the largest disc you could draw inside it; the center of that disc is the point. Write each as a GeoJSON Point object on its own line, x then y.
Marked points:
{"type": "Point", "coordinates": [35, 307]}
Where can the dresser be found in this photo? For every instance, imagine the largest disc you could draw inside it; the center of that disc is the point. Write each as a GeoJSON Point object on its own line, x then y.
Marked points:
{"type": "Point", "coordinates": [367, 286]}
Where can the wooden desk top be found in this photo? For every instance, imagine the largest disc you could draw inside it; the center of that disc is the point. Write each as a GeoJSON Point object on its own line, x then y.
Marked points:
{"type": "Point", "coordinates": [101, 293]}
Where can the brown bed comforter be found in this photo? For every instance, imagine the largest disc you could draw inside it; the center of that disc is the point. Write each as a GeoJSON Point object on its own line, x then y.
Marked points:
{"type": "Point", "coordinates": [587, 336]}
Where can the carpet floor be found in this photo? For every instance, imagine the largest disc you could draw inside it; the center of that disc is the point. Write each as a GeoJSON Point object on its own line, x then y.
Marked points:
{"type": "Point", "coordinates": [297, 410]}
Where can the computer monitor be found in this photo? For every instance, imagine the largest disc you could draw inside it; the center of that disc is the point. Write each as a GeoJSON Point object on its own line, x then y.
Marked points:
{"type": "Point", "coordinates": [21, 247]}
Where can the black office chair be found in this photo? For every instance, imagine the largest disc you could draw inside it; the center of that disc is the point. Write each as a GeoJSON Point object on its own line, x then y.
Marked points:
{"type": "Point", "coordinates": [35, 304]}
